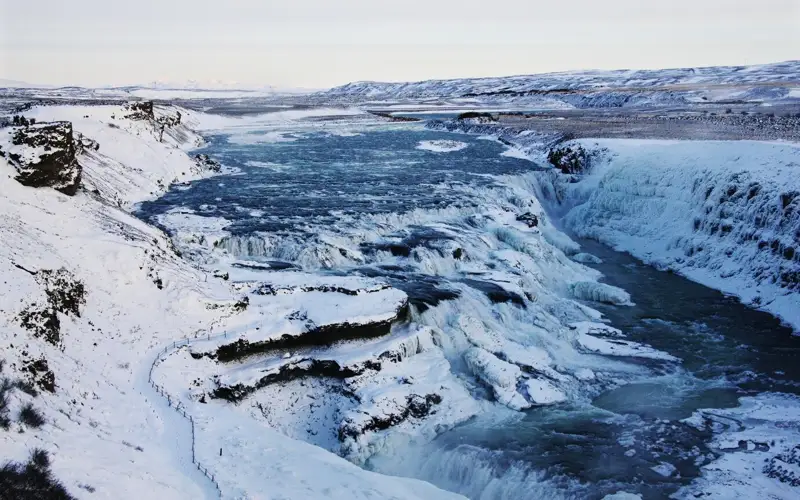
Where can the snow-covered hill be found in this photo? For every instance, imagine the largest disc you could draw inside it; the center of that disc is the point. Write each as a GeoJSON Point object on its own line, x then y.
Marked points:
{"type": "Point", "coordinates": [576, 88]}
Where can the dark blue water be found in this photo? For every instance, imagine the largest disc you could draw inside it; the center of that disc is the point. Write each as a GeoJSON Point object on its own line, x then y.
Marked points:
{"type": "Point", "coordinates": [321, 177]}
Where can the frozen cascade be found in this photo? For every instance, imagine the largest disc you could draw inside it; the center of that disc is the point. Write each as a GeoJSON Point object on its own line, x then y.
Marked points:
{"type": "Point", "coordinates": [725, 214]}
{"type": "Point", "coordinates": [474, 472]}
{"type": "Point", "coordinates": [246, 245]}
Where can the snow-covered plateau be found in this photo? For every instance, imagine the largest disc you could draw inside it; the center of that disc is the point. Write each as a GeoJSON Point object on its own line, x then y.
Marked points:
{"type": "Point", "coordinates": [585, 89]}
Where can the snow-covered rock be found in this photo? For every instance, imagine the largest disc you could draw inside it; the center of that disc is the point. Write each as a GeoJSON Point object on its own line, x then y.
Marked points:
{"type": "Point", "coordinates": [602, 339]}
{"type": "Point", "coordinates": [600, 292]}
{"type": "Point", "coordinates": [758, 448]}
{"type": "Point", "coordinates": [44, 155]}
{"type": "Point", "coordinates": [501, 376]}
{"type": "Point", "coordinates": [586, 258]}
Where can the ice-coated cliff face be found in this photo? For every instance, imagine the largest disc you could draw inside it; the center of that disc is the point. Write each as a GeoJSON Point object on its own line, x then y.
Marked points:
{"type": "Point", "coordinates": [726, 214]}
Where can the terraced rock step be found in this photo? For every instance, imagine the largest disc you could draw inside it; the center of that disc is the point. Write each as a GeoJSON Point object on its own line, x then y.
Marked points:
{"type": "Point", "coordinates": [321, 336]}
{"type": "Point", "coordinates": [342, 361]}
{"type": "Point", "coordinates": [292, 311]}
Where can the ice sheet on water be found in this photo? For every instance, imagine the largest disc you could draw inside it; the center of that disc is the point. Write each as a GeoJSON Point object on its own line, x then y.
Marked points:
{"type": "Point", "coordinates": [442, 146]}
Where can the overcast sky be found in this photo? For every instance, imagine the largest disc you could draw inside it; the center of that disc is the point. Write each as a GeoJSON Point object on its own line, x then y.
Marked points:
{"type": "Point", "coordinates": [321, 43]}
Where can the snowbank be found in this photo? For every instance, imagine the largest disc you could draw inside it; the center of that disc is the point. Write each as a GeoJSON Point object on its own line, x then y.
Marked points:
{"type": "Point", "coordinates": [725, 214]}
{"type": "Point", "coordinates": [758, 447]}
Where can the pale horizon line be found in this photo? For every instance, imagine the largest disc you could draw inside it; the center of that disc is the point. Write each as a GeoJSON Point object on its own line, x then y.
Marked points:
{"type": "Point", "coordinates": [225, 86]}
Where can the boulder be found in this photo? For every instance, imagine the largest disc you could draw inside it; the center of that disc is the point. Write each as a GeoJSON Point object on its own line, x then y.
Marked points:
{"type": "Point", "coordinates": [205, 162]}
{"type": "Point", "coordinates": [528, 218]}
{"type": "Point", "coordinates": [569, 159]}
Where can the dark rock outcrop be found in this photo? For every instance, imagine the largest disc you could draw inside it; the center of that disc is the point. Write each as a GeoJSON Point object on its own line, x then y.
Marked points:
{"type": "Point", "coordinates": [65, 295]}
{"type": "Point", "coordinates": [52, 159]}
{"type": "Point", "coordinates": [416, 406]}
{"type": "Point", "coordinates": [319, 336]}
{"type": "Point", "coordinates": [140, 110]}
{"type": "Point", "coordinates": [528, 218]}
{"type": "Point", "coordinates": [83, 143]}
{"type": "Point", "coordinates": [40, 374]}
{"type": "Point", "coordinates": [294, 370]}
{"type": "Point", "coordinates": [477, 116]}
{"type": "Point", "coordinates": [205, 162]}
{"type": "Point", "coordinates": [568, 159]}
{"type": "Point", "coordinates": [395, 118]}
{"type": "Point", "coordinates": [42, 322]}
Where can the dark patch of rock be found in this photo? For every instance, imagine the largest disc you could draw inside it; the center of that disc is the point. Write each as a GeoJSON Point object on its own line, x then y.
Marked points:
{"type": "Point", "coordinates": [294, 370]}
{"type": "Point", "coordinates": [528, 218]}
{"type": "Point", "coordinates": [395, 118]}
{"type": "Point", "coordinates": [56, 165]}
{"type": "Point", "coordinates": [140, 110]}
{"type": "Point", "coordinates": [416, 406]}
{"type": "Point", "coordinates": [40, 374]}
{"type": "Point", "coordinates": [478, 116]}
{"type": "Point", "coordinates": [568, 159]}
{"type": "Point", "coordinates": [206, 162]}
{"type": "Point", "coordinates": [65, 294]}
{"type": "Point", "coordinates": [43, 322]}
{"type": "Point", "coordinates": [319, 336]}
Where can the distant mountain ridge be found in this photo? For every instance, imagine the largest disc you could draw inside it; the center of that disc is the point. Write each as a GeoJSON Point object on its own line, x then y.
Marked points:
{"type": "Point", "coordinates": [787, 72]}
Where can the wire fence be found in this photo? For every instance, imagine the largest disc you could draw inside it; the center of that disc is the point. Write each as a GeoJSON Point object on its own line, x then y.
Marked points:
{"type": "Point", "coordinates": [176, 405]}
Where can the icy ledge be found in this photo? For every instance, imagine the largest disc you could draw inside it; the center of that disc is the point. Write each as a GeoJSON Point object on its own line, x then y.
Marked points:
{"type": "Point", "coordinates": [724, 214]}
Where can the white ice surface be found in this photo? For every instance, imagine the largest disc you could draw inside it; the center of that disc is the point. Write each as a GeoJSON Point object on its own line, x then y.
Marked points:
{"type": "Point", "coordinates": [442, 146]}
{"type": "Point", "coordinates": [761, 432]}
